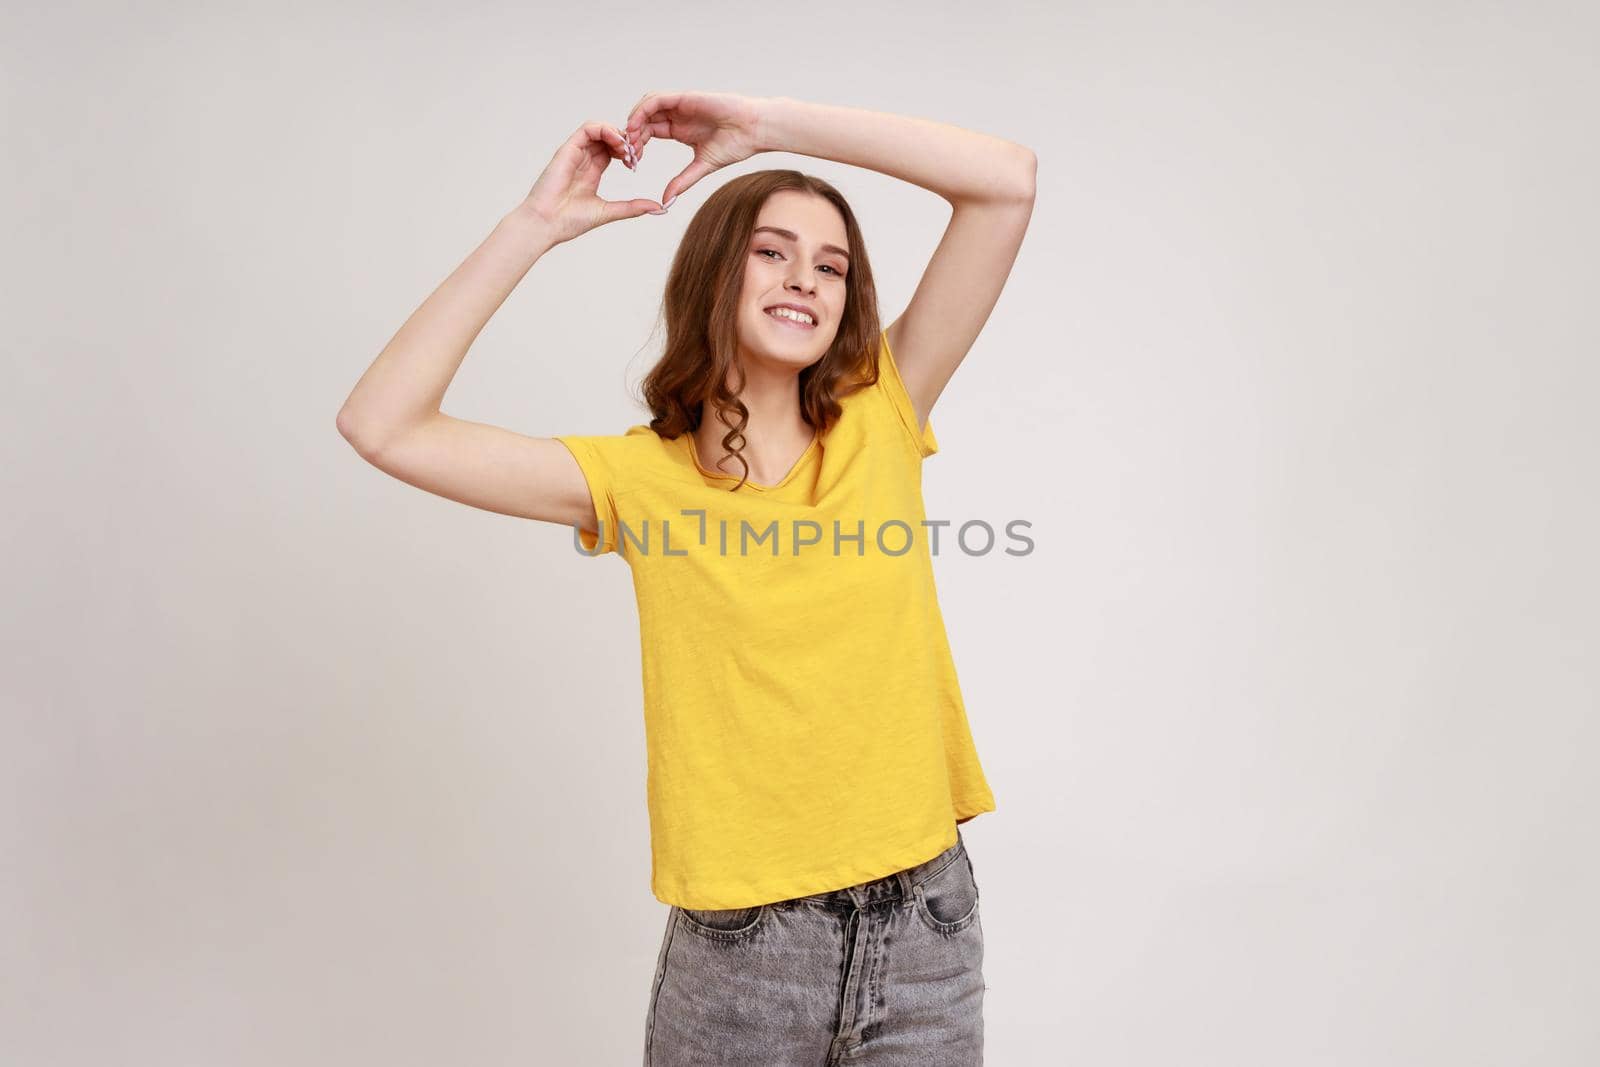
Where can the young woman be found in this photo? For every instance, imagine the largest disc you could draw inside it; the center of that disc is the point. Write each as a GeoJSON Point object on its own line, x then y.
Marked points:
{"type": "Point", "coordinates": [808, 753]}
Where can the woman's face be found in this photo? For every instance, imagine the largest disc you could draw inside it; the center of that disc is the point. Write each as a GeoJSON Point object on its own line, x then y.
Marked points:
{"type": "Point", "coordinates": [795, 255]}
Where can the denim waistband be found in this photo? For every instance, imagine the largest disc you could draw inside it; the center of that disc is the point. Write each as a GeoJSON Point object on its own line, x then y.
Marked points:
{"type": "Point", "coordinates": [896, 886]}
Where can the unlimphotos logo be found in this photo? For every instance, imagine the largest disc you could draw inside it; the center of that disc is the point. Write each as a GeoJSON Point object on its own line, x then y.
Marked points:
{"type": "Point", "coordinates": [889, 537]}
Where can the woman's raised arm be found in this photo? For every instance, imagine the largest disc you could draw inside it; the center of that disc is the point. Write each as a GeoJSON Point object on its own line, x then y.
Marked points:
{"type": "Point", "coordinates": [988, 182]}
{"type": "Point", "coordinates": [392, 416]}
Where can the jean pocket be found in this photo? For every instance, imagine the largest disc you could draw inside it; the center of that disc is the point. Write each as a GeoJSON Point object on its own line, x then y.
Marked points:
{"type": "Point", "coordinates": [948, 901]}
{"type": "Point", "coordinates": [728, 924]}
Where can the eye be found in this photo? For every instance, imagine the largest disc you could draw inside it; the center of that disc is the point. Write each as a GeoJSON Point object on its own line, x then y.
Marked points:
{"type": "Point", "coordinates": [774, 251]}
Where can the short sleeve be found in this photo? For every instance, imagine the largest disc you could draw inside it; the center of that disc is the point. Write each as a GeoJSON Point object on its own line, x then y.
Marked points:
{"type": "Point", "coordinates": [591, 454]}
{"type": "Point", "coordinates": [890, 382]}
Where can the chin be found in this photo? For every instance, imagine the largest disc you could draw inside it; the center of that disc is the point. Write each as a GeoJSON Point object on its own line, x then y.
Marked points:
{"type": "Point", "coordinates": [799, 349]}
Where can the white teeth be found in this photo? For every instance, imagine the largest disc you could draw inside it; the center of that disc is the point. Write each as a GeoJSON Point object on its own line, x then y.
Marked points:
{"type": "Point", "coordinates": [790, 313]}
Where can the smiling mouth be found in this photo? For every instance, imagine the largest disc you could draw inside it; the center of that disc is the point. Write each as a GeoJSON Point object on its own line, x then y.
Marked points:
{"type": "Point", "coordinates": [793, 324]}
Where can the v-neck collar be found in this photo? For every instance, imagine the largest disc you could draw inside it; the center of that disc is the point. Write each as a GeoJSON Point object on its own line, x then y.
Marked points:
{"type": "Point", "coordinates": [694, 455]}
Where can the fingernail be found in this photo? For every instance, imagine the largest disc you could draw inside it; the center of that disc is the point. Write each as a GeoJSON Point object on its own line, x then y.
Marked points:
{"type": "Point", "coordinates": [663, 211]}
{"type": "Point", "coordinates": [668, 201]}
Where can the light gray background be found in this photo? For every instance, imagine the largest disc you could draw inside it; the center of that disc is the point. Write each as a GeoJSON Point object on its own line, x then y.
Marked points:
{"type": "Point", "coordinates": [1290, 716]}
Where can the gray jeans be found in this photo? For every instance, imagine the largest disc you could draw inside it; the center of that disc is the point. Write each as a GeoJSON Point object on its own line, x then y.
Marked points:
{"type": "Point", "coordinates": [888, 973]}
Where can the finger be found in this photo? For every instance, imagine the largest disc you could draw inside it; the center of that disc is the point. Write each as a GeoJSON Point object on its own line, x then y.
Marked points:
{"type": "Point", "coordinates": [619, 146]}
{"type": "Point", "coordinates": [603, 135]}
{"type": "Point", "coordinates": [636, 112]}
{"type": "Point", "coordinates": [650, 130]}
{"type": "Point", "coordinates": [634, 146]}
{"type": "Point", "coordinates": [593, 130]}
{"type": "Point", "coordinates": [636, 143]}
{"type": "Point", "coordinates": [645, 133]}
{"type": "Point", "coordinates": [584, 151]}
{"type": "Point", "coordinates": [686, 178]}
{"type": "Point", "coordinates": [582, 140]}
{"type": "Point", "coordinates": [617, 210]}
{"type": "Point", "coordinates": [650, 106]}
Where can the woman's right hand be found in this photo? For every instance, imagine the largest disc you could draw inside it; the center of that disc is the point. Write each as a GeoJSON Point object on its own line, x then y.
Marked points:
{"type": "Point", "coordinates": [566, 196]}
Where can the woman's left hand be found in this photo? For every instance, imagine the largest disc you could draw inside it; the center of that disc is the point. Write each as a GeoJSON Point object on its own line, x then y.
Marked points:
{"type": "Point", "coordinates": [722, 128]}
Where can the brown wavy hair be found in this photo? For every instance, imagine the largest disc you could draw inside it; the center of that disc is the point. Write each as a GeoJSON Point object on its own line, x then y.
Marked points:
{"type": "Point", "coordinates": [701, 303]}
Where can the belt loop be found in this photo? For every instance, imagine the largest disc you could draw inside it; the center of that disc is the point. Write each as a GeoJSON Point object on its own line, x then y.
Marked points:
{"type": "Point", "coordinates": [904, 878]}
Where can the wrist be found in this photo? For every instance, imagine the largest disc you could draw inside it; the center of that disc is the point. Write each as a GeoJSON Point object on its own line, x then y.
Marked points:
{"type": "Point", "coordinates": [530, 227]}
{"type": "Point", "coordinates": [770, 111]}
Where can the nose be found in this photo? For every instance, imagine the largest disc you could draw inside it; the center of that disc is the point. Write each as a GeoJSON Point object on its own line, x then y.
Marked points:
{"type": "Point", "coordinates": [801, 282]}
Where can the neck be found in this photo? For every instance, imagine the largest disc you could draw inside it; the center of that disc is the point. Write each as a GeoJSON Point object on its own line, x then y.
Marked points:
{"type": "Point", "coordinates": [775, 433]}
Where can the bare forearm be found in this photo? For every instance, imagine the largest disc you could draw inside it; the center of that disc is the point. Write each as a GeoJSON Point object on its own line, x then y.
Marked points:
{"type": "Point", "coordinates": [408, 380]}
{"type": "Point", "coordinates": [958, 164]}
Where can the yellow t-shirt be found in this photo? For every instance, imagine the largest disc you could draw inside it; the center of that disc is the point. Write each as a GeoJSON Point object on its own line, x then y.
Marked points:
{"type": "Point", "coordinates": [804, 725]}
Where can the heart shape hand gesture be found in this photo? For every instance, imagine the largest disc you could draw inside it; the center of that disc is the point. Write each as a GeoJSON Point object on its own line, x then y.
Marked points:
{"type": "Point", "coordinates": [722, 128]}
{"type": "Point", "coordinates": [566, 198]}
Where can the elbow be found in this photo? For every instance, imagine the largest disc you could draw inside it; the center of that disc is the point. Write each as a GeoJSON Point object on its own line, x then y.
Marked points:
{"type": "Point", "coordinates": [354, 430]}
{"type": "Point", "coordinates": [1027, 173]}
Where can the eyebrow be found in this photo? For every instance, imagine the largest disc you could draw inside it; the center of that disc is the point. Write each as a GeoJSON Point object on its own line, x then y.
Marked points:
{"type": "Point", "coordinates": [792, 236]}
